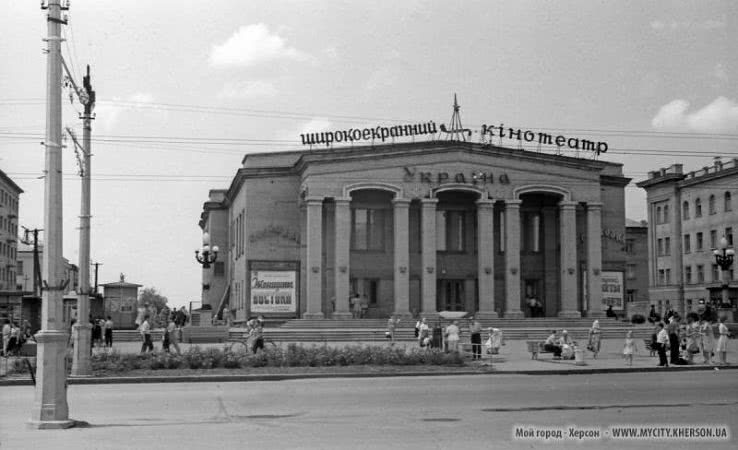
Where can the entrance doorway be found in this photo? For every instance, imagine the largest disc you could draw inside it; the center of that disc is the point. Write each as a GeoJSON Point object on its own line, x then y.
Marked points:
{"type": "Point", "coordinates": [451, 295]}
{"type": "Point", "coordinates": [533, 302]}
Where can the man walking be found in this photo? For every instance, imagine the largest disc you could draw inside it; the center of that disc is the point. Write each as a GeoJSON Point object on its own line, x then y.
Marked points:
{"type": "Point", "coordinates": [475, 330]}
{"type": "Point", "coordinates": [673, 330]}
{"type": "Point", "coordinates": [145, 329]}
{"type": "Point", "coordinates": [662, 338]}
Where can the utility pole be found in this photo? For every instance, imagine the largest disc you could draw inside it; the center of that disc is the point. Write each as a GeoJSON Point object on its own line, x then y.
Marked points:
{"type": "Point", "coordinates": [82, 345]}
{"type": "Point", "coordinates": [36, 259]}
{"type": "Point", "coordinates": [50, 407]}
{"type": "Point", "coordinates": [97, 265]}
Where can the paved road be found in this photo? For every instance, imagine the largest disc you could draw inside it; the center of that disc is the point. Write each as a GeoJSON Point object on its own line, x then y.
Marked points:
{"type": "Point", "coordinates": [436, 412]}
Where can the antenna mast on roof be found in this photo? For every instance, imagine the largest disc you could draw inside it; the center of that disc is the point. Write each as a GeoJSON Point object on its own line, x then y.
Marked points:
{"type": "Point", "coordinates": [456, 131]}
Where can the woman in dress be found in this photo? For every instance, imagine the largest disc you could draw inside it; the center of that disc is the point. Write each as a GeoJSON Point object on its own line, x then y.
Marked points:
{"type": "Point", "coordinates": [452, 337]}
{"type": "Point", "coordinates": [708, 339]}
{"type": "Point", "coordinates": [721, 348]}
{"type": "Point", "coordinates": [595, 336]}
{"type": "Point", "coordinates": [693, 336]}
{"type": "Point", "coordinates": [567, 345]}
{"type": "Point", "coordinates": [629, 348]}
{"type": "Point", "coordinates": [494, 341]}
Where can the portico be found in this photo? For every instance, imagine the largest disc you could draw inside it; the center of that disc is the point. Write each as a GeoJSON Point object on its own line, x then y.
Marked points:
{"type": "Point", "coordinates": [419, 228]}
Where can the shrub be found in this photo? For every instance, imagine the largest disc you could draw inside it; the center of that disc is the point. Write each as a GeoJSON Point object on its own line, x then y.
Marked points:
{"type": "Point", "coordinates": [638, 318]}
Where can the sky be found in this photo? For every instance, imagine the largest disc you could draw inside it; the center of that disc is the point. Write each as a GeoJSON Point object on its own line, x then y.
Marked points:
{"type": "Point", "coordinates": [185, 89]}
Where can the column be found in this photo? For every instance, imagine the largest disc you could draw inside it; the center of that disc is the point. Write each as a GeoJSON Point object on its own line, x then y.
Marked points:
{"type": "Point", "coordinates": [551, 289]}
{"type": "Point", "coordinates": [429, 257]}
{"type": "Point", "coordinates": [402, 256]}
{"type": "Point", "coordinates": [568, 266]}
{"type": "Point", "coordinates": [342, 257]}
{"type": "Point", "coordinates": [512, 258]}
{"type": "Point", "coordinates": [594, 259]}
{"type": "Point", "coordinates": [486, 258]}
{"type": "Point", "coordinates": [314, 257]}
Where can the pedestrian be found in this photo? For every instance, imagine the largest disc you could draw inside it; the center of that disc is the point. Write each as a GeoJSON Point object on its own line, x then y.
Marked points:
{"type": "Point", "coordinates": [14, 341]}
{"type": "Point", "coordinates": [693, 336]}
{"type": "Point", "coordinates": [145, 330]}
{"type": "Point", "coordinates": [475, 333]}
{"type": "Point", "coordinates": [165, 339]}
{"type": "Point", "coordinates": [552, 345]}
{"type": "Point", "coordinates": [595, 338]}
{"type": "Point", "coordinates": [629, 348]}
{"type": "Point", "coordinates": [662, 340]}
{"type": "Point", "coordinates": [721, 348]}
{"type": "Point", "coordinates": [494, 341]}
{"type": "Point", "coordinates": [355, 304]}
{"type": "Point", "coordinates": [708, 339]}
{"type": "Point", "coordinates": [256, 335]}
{"type": "Point", "coordinates": [673, 331]}
{"type": "Point", "coordinates": [424, 333]}
{"type": "Point", "coordinates": [452, 336]}
{"type": "Point", "coordinates": [109, 332]}
{"type": "Point", "coordinates": [610, 312]}
{"type": "Point", "coordinates": [417, 327]}
{"type": "Point", "coordinates": [173, 335]}
{"type": "Point", "coordinates": [6, 336]}
{"type": "Point", "coordinates": [391, 325]}
{"type": "Point", "coordinates": [653, 316]}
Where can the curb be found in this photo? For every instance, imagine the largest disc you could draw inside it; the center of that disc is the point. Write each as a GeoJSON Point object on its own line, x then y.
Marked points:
{"type": "Point", "coordinates": [303, 376]}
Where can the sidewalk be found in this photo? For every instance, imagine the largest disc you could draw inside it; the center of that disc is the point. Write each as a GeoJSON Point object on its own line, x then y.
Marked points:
{"type": "Point", "coordinates": [514, 358]}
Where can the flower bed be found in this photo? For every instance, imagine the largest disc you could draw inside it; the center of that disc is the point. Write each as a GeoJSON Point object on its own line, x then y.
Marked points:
{"type": "Point", "coordinates": [292, 356]}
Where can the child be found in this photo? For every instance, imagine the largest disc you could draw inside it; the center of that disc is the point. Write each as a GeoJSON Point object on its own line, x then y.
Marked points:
{"type": "Point", "coordinates": [629, 348]}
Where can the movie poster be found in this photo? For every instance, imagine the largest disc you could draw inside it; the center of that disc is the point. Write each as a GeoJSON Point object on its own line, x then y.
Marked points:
{"type": "Point", "coordinates": [612, 290]}
{"type": "Point", "coordinates": [273, 291]}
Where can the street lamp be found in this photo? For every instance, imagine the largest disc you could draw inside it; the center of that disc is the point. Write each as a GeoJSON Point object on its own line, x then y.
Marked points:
{"type": "Point", "coordinates": [208, 255]}
{"type": "Point", "coordinates": [724, 259]}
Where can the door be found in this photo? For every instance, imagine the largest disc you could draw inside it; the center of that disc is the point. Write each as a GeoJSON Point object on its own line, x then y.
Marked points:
{"type": "Point", "coordinates": [450, 295]}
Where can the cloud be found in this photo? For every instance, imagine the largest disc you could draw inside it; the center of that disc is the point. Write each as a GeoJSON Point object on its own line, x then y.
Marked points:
{"type": "Point", "coordinates": [248, 89]}
{"type": "Point", "coordinates": [720, 116]}
{"type": "Point", "coordinates": [673, 25]}
{"type": "Point", "coordinates": [316, 125]}
{"type": "Point", "coordinates": [252, 45]}
{"type": "Point", "coordinates": [108, 114]}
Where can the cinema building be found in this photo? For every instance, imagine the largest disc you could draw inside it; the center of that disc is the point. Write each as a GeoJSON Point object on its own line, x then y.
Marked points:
{"type": "Point", "coordinates": [416, 228]}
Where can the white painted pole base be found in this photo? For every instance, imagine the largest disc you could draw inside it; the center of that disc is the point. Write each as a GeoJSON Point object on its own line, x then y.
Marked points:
{"type": "Point", "coordinates": [50, 409]}
{"type": "Point", "coordinates": [81, 355]}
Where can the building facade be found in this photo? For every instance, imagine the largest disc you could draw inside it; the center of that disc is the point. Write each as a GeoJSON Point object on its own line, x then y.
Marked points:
{"type": "Point", "coordinates": [688, 214]}
{"type": "Point", "coordinates": [418, 228]}
{"type": "Point", "coordinates": [120, 299]}
{"type": "Point", "coordinates": [636, 268]}
{"type": "Point", "coordinates": [10, 297]}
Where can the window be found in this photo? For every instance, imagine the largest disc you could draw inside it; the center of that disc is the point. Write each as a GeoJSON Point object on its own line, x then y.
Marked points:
{"type": "Point", "coordinates": [685, 210]}
{"type": "Point", "coordinates": [630, 295]}
{"type": "Point", "coordinates": [700, 273]}
{"type": "Point", "coordinates": [711, 204]}
{"type": "Point", "coordinates": [658, 215]}
{"type": "Point", "coordinates": [698, 243]}
{"type": "Point", "coordinates": [661, 277]}
{"type": "Point", "coordinates": [687, 244]}
{"type": "Point", "coordinates": [715, 273]}
{"type": "Point", "coordinates": [688, 275]}
{"type": "Point", "coordinates": [630, 246]}
{"type": "Point", "coordinates": [729, 235]}
{"type": "Point", "coordinates": [19, 268]}
{"type": "Point", "coordinates": [698, 208]}
{"type": "Point", "coordinates": [367, 229]}
{"type": "Point", "coordinates": [450, 231]}
{"type": "Point", "coordinates": [713, 238]}
{"type": "Point", "coordinates": [630, 271]}
{"type": "Point", "coordinates": [666, 214]}
{"type": "Point", "coordinates": [660, 247]}
{"type": "Point", "coordinates": [668, 276]}
{"type": "Point", "coordinates": [728, 202]}
{"type": "Point", "coordinates": [667, 246]}
{"type": "Point", "coordinates": [219, 269]}
{"type": "Point", "coordinates": [731, 274]}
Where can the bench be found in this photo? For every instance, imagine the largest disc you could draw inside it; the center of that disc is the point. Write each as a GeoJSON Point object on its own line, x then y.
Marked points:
{"type": "Point", "coordinates": [536, 347]}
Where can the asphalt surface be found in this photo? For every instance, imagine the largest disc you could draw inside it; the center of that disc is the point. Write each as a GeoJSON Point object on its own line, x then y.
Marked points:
{"type": "Point", "coordinates": [432, 412]}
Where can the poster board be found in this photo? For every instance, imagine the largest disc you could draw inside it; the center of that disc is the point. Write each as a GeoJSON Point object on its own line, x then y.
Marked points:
{"type": "Point", "coordinates": [273, 291]}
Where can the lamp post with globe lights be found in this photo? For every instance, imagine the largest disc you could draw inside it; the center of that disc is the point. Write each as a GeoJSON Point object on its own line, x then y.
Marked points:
{"type": "Point", "coordinates": [209, 255]}
{"type": "Point", "coordinates": [724, 258]}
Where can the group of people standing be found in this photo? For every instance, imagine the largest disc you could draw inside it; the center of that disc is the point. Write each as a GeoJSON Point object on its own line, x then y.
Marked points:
{"type": "Point", "coordinates": [172, 336]}
{"type": "Point", "coordinates": [14, 337]}
{"type": "Point", "coordinates": [684, 341]}
{"type": "Point", "coordinates": [449, 337]}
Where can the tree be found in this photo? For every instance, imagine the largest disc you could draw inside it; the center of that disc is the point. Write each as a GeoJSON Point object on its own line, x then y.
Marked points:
{"type": "Point", "coordinates": [150, 296]}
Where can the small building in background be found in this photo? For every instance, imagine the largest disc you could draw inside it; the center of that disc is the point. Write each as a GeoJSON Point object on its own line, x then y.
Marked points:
{"type": "Point", "coordinates": [636, 268]}
{"type": "Point", "coordinates": [120, 302]}
{"type": "Point", "coordinates": [10, 296]}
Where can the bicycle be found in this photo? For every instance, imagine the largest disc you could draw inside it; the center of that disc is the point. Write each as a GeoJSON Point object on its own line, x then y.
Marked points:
{"type": "Point", "coordinates": [248, 344]}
